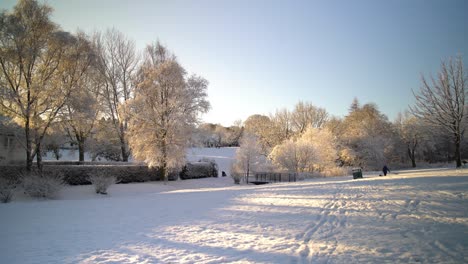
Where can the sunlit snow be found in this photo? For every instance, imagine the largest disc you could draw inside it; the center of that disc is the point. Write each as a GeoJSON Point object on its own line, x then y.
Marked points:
{"type": "Point", "coordinates": [413, 216]}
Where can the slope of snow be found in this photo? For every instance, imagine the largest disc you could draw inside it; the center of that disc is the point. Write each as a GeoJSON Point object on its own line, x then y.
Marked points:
{"type": "Point", "coordinates": [415, 216]}
{"type": "Point", "coordinates": [66, 155]}
{"type": "Point", "coordinates": [222, 156]}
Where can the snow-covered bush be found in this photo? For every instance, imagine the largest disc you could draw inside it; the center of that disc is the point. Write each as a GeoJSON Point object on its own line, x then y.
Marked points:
{"type": "Point", "coordinates": [201, 169]}
{"type": "Point", "coordinates": [325, 145]}
{"type": "Point", "coordinates": [42, 186]}
{"type": "Point", "coordinates": [214, 166]}
{"type": "Point", "coordinates": [236, 177]}
{"type": "Point", "coordinates": [248, 157]}
{"type": "Point", "coordinates": [6, 190]}
{"type": "Point", "coordinates": [101, 181]}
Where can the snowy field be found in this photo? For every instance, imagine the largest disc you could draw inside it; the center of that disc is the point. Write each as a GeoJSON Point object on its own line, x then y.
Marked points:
{"type": "Point", "coordinates": [222, 156]}
{"type": "Point", "coordinates": [413, 217]}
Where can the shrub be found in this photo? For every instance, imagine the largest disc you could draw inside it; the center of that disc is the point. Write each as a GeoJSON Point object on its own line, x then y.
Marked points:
{"type": "Point", "coordinates": [101, 181]}
{"type": "Point", "coordinates": [201, 169]}
{"type": "Point", "coordinates": [124, 173]}
{"type": "Point", "coordinates": [236, 177]}
{"type": "Point", "coordinates": [214, 166]}
{"type": "Point", "coordinates": [6, 190]}
{"type": "Point", "coordinates": [42, 185]}
{"type": "Point", "coordinates": [75, 174]}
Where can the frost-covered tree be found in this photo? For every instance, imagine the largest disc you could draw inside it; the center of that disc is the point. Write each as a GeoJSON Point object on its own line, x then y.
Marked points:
{"type": "Point", "coordinates": [221, 135]}
{"type": "Point", "coordinates": [215, 135]}
{"type": "Point", "coordinates": [104, 142]}
{"type": "Point", "coordinates": [442, 103]}
{"type": "Point", "coordinates": [411, 131]}
{"type": "Point", "coordinates": [315, 150]}
{"type": "Point", "coordinates": [262, 127]}
{"type": "Point", "coordinates": [38, 67]}
{"type": "Point", "coordinates": [249, 158]}
{"type": "Point", "coordinates": [235, 133]}
{"type": "Point", "coordinates": [204, 135]}
{"type": "Point", "coordinates": [79, 115]}
{"type": "Point", "coordinates": [164, 111]}
{"type": "Point", "coordinates": [282, 126]}
{"type": "Point", "coordinates": [117, 63]}
{"type": "Point", "coordinates": [294, 156]}
{"type": "Point", "coordinates": [368, 135]}
{"type": "Point", "coordinates": [325, 142]}
{"type": "Point", "coordinates": [305, 115]}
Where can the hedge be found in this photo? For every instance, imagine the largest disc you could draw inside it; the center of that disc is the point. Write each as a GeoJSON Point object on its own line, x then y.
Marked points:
{"type": "Point", "coordinates": [78, 174]}
{"type": "Point", "coordinates": [75, 174]}
{"type": "Point", "coordinates": [197, 170]}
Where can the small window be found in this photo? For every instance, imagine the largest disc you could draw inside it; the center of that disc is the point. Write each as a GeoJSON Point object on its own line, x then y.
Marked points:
{"type": "Point", "coordinates": [8, 141]}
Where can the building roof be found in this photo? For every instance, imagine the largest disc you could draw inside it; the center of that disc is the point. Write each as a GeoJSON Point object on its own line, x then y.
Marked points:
{"type": "Point", "coordinates": [6, 126]}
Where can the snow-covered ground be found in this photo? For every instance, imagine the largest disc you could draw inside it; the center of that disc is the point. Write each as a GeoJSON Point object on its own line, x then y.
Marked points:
{"type": "Point", "coordinates": [414, 216]}
{"type": "Point", "coordinates": [222, 156]}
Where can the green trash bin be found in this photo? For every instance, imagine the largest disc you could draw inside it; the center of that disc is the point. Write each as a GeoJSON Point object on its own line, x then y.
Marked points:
{"type": "Point", "coordinates": [357, 173]}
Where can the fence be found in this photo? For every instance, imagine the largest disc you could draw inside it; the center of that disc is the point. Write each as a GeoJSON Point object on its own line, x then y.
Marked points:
{"type": "Point", "coordinates": [268, 177]}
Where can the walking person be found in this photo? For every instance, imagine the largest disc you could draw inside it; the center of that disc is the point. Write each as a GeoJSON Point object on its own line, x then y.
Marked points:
{"type": "Point", "coordinates": [385, 169]}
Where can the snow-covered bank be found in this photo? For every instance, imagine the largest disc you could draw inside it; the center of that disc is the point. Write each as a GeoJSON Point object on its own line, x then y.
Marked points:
{"type": "Point", "coordinates": [416, 216]}
{"type": "Point", "coordinates": [222, 156]}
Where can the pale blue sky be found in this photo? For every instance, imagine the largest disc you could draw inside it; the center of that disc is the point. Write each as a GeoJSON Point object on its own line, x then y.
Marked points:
{"type": "Point", "coordinates": [262, 55]}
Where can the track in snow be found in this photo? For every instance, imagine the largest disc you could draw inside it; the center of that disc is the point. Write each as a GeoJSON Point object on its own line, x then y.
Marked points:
{"type": "Point", "coordinates": [418, 217]}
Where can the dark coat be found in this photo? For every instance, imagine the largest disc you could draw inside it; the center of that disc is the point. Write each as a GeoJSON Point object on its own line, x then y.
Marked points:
{"type": "Point", "coordinates": [385, 169]}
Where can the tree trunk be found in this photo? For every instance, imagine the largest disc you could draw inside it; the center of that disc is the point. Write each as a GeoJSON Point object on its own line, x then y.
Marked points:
{"type": "Point", "coordinates": [248, 171]}
{"type": "Point", "coordinates": [457, 150]}
{"type": "Point", "coordinates": [412, 157]}
{"type": "Point", "coordinates": [413, 162]}
{"type": "Point", "coordinates": [123, 145]}
{"type": "Point", "coordinates": [29, 160]}
{"type": "Point", "coordinates": [39, 157]}
{"type": "Point", "coordinates": [81, 150]}
{"type": "Point", "coordinates": [164, 162]}
{"type": "Point", "coordinates": [123, 149]}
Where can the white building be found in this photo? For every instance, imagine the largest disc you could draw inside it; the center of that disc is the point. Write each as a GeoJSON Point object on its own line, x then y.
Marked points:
{"type": "Point", "coordinates": [11, 150]}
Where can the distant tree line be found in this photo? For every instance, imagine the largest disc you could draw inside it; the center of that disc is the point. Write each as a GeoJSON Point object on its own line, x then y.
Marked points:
{"type": "Point", "coordinates": [308, 139]}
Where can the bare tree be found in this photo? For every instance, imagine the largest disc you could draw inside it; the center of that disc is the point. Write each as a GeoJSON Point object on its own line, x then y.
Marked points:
{"type": "Point", "coordinates": [441, 102]}
{"type": "Point", "coordinates": [117, 63]}
{"type": "Point", "coordinates": [80, 114]}
{"type": "Point", "coordinates": [37, 69]}
{"type": "Point", "coordinates": [282, 126]}
{"type": "Point", "coordinates": [249, 156]}
{"type": "Point", "coordinates": [235, 134]}
{"type": "Point", "coordinates": [305, 115]}
{"type": "Point", "coordinates": [410, 131]}
{"type": "Point", "coordinates": [164, 111]}
{"type": "Point", "coordinates": [104, 142]}
{"type": "Point", "coordinates": [262, 127]}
